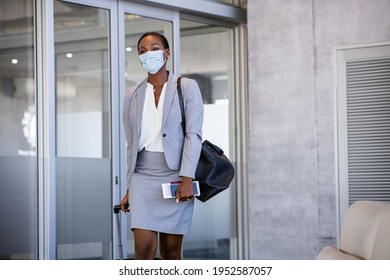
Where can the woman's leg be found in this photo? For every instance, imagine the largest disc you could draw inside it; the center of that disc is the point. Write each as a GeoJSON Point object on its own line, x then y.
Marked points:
{"type": "Point", "coordinates": [171, 246]}
{"type": "Point", "coordinates": [145, 244]}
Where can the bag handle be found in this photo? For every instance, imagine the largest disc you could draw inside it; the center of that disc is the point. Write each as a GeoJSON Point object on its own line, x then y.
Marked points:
{"type": "Point", "coordinates": [217, 149]}
{"type": "Point", "coordinates": [183, 117]}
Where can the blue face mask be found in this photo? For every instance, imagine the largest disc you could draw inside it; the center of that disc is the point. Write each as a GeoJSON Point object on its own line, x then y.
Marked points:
{"type": "Point", "coordinates": [152, 61]}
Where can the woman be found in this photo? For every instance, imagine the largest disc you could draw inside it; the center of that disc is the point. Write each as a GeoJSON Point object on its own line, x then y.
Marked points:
{"type": "Point", "coordinates": [158, 152]}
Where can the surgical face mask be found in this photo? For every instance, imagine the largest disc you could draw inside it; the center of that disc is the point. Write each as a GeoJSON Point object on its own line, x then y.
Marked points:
{"type": "Point", "coordinates": [152, 61]}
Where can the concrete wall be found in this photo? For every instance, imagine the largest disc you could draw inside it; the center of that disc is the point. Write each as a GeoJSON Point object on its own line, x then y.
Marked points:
{"type": "Point", "coordinates": [292, 188]}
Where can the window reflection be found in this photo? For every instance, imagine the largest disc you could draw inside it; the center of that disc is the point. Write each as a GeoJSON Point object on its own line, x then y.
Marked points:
{"type": "Point", "coordinates": [82, 81]}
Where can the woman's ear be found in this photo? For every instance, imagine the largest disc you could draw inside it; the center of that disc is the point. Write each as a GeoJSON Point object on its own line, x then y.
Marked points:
{"type": "Point", "coordinates": [167, 54]}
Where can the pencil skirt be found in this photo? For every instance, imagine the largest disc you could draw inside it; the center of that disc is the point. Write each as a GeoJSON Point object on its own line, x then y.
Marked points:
{"type": "Point", "coordinates": [148, 209]}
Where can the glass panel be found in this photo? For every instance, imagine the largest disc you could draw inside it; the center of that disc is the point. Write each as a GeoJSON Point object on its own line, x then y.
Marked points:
{"type": "Point", "coordinates": [18, 194]}
{"type": "Point", "coordinates": [206, 57]}
{"type": "Point", "coordinates": [135, 26]}
{"type": "Point", "coordinates": [83, 131]}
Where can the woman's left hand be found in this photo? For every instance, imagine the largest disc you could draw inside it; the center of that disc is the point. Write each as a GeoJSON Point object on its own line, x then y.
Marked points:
{"type": "Point", "coordinates": [185, 190]}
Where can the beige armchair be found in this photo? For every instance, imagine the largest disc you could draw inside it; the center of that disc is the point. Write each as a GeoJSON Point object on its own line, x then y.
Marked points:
{"type": "Point", "coordinates": [365, 234]}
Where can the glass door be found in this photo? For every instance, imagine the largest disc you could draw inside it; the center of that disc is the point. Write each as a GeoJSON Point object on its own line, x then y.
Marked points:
{"type": "Point", "coordinates": [84, 168]}
{"type": "Point", "coordinates": [18, 132]}
{"type": "Point", "coordinates": [203, 52]}
{"type": "Point", "coordinates": [65, 67]}
{"type": "Point", "coordinates": [135, 20]}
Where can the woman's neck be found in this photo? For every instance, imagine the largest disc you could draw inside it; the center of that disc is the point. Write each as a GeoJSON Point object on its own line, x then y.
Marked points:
{"type": "Point", "coordinates": [158, 79]}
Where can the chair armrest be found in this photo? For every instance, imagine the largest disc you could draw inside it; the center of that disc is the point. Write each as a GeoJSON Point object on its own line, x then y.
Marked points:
{"type": "Point", "coordinates": [331, 253]}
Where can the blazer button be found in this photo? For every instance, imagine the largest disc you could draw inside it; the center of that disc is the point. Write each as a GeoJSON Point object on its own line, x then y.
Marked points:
{"type": "Point", "coordinates": [164, 135]}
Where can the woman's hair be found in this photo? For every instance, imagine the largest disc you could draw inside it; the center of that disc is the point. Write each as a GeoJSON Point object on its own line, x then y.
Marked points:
{"type": "Point", "coordinates": [155, 34]}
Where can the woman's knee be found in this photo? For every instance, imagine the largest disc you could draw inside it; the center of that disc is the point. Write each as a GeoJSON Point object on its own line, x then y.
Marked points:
{"type": "Point", "coordinates": [171, 247]}
{"type": "Point", "coordinates": [145, 252]}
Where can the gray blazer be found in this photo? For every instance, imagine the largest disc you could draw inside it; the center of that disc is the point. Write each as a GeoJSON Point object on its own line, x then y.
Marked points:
{"type": "Point", "coordinates": [180, 153]}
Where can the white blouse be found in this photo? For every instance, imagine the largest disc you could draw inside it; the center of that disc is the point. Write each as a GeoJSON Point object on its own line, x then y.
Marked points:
{"type": "Point", "coordinates": [151, 136]}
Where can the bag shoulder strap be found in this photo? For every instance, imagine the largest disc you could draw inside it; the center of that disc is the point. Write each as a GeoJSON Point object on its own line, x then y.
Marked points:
{"type": "Point", "coordinates": [180, 93]}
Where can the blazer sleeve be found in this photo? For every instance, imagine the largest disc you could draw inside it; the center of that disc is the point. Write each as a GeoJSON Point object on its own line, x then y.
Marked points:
{"type": "Point", "coordinates": [194, 111]}
{"type": "Point", "coordinates": [129, 132]}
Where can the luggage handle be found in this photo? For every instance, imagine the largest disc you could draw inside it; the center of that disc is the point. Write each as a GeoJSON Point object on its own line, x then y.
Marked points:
{"type": "Point", "coordinates": [118, 208]}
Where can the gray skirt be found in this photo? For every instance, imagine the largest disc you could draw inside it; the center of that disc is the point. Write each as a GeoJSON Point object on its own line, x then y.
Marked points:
{"type": "Point", "coordinates": [148, 209]}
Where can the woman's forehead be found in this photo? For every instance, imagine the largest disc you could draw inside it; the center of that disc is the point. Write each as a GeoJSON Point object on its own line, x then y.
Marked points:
{"type": "Point", "coordinates": [150, 40]}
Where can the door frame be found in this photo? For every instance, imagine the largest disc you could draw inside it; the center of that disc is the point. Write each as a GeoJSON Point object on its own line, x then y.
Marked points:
{"type": "Point", "coordinates": [154, 13]}
{"type": "Point", "coordinates": [46, 106]}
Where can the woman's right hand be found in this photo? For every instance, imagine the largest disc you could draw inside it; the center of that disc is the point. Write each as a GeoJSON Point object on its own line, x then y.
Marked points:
{"type": "Point", "coordinates": [125, 203]}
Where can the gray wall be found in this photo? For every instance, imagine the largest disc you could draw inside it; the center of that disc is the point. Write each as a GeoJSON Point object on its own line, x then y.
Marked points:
{"type": "Point", "coordinates": [292, 190]}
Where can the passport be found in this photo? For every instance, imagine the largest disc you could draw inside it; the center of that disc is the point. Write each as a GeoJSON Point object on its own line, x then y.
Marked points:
{"type": "Point", "coordinates": [169, 189]}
